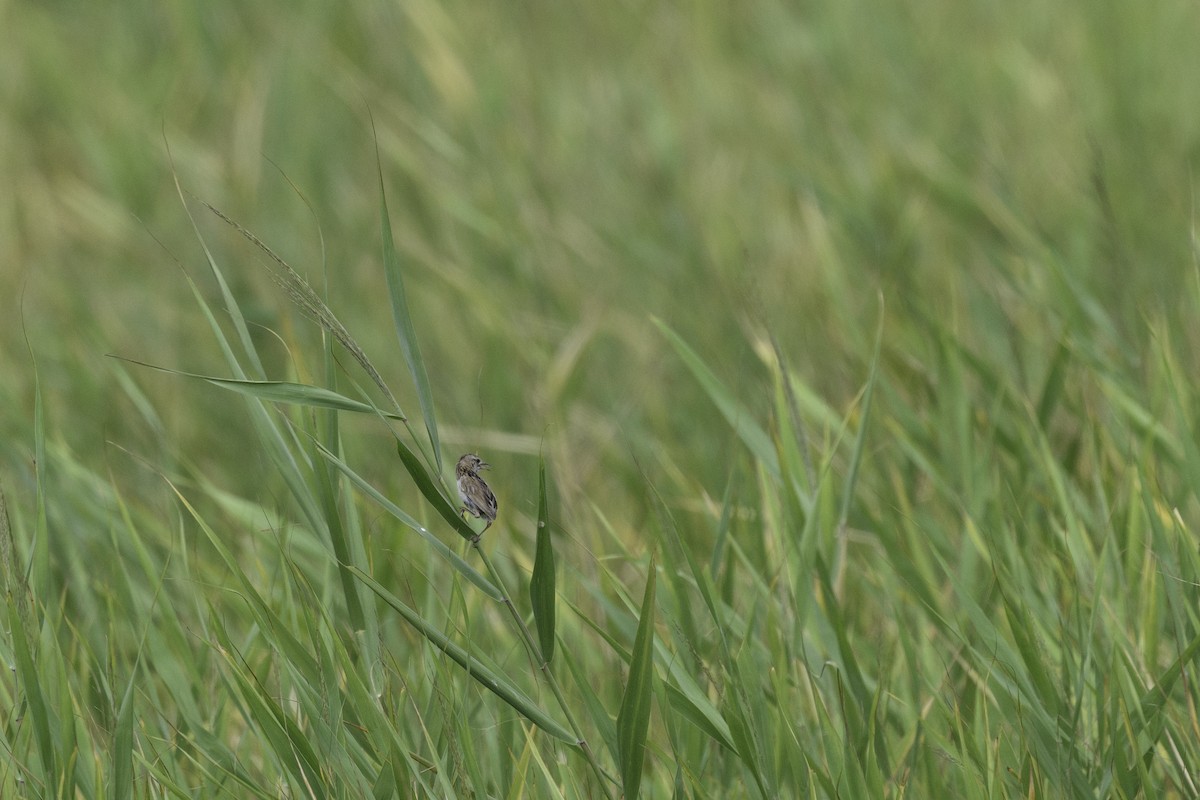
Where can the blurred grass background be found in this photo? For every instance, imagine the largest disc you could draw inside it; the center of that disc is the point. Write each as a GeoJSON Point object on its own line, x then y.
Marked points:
{"type": "Point", "coordinates": [1014, 182]}
{"type": "Point", "coordinates": [559, 173]}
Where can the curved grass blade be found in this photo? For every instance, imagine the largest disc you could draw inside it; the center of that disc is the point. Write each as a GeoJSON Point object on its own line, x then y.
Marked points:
{"type": "Point", "coordinates": [278, 391]}
{"type": "Point", "coordinates": [633, 721]}
{"type": "Point", "coordinates": [839, 562]}
{"type": "Point", "coordinates": [14, 582]}
{"type": "Point", "coordinates": [687, 699]}
{"type": "Point", "coordinates": [231, 304]}
{"type": "Point", "coordinates": [305, 298]}
{"type": "Point", "coordinates": [584, 682]}
{"type": "Point", "coordinates": [425, 483]}
{"type": "Point", "coordinates": [491, 680]}
{"type": "Point", "coordinates": [1158, 697]}
{"type": "Point", "coordinates": [276, 728]}
{"type": "Point", "coordinates": [465, 569]}
{"type": "Point", "coordinates": [404, 324]}
{"type": "Point", "coordinates": [738, 416]}
{"type": "Point", "coordinates": [542, 582]}
{"type": "Point", "coordinates": [327, 495]}
{"type": "Point", "coordinates": [736, 724]}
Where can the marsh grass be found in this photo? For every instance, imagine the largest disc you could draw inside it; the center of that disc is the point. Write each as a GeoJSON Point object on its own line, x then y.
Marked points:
{"type": "Point", "coordinates": [837, 368]}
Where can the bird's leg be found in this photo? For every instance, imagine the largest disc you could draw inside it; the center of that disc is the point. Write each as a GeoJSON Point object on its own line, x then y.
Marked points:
{"type": "Point", "coordinates": [476, 537]}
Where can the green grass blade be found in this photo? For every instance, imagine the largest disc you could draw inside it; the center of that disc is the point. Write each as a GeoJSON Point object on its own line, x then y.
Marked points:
{"type": "Point", "coordinates": [300, 394]}
{"type": "Point", "coordinates": [344, 532]}
{"type": "Point", "coordinates": [488, 678]}
{"type": "Point", "coordinates": [738, 416]}
{"type": "Point", "coordinates": [40, 574]}
{"type": "Point", "coordinates": [633, 721]}
{"type": "Point", "coordinates": [404, 326]}
{"type": "Point", "coordinates": [13, 581]}
{"type": "Point", "coordinates": [428, 488]}
{"type": "Point", "coordinates": [76, 779]}
{"type": "Point", "coordinates": [272, 437]}
{"type": "Point", "coordinates": [735, 729]}
{"type": "Point", "coordinates": [839, 562]}
{"type": "Point", "coordinates": [328, 499]}
{"type": "Point", "coordinates": [1052, 388]}
{"type": "Point", "coordinates": [306, 299]}
{"type": "Point", "coordinates": [686, 699]}
{"type": "Point", "coordinates": [122, 753]}
{"type": "Point", "coordinates": [35, 699]}
{"type": "Point", "coordinates": [467, 571]}
{"type": "Point", "coordinates": [600, 717]}
{"type": "Point", "coordinates": [296, 394]}
{"type": "Point", "coordinates": [1153, 701]}
{"type": "Point", "coordinates": [291, 746]}
{"type": "Point", "coordinates": [542, 592]}
{"type": "Point", "coordinates": [231, 304]}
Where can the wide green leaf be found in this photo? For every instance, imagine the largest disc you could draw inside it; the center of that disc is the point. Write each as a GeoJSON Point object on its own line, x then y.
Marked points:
{"type": "Point", "coordinates": [542, 582]}
{"type": "Point", "coordinates": [428, 488]}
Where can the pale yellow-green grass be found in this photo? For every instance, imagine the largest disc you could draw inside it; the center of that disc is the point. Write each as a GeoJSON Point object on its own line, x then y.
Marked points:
{"type": "Point", "coordinates": [836, 362]}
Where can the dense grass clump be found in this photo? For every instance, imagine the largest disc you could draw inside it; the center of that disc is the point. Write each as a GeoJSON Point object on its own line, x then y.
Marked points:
{"type": "Point", "coordinates": [836, 365]}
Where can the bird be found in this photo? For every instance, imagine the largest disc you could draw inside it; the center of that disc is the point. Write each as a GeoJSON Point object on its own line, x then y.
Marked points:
{"type": "Point", "coordinates": [476, 497]}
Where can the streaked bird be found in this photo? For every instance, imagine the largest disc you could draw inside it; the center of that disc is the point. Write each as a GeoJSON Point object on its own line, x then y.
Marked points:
{"type": "Point", "coordinates": [476, 497]}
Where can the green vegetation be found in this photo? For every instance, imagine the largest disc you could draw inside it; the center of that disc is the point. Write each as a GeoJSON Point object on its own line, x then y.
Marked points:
{"type": "Point", "coordinates": [836, 362]}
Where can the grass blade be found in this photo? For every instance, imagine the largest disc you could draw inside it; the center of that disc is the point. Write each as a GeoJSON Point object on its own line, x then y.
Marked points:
{"type": "Point", "coordinates": [35, 700]}
{"type": "Point", "coordinates": [428, 488]}
{"type": "Point", "coordinates": [839, 561]}
{"type": "Point", "coordinates": [300, 394]}
{"type": "Point", "coordinates": [305, 298]}
{"type": "Point", "coordinates": [122, 783]}
{"type": "Point", "coordinates": [734, 728]}
{"type": "Point", "coordinates": [404, 326]}
{"type": "Point", "coordinates": [327, 495]}
{"type": "Point", "coordinates": [467, 571]}
{"type": "Point", "coordinates": [231, 304]}
{"type": "Point", "coordinates": [633, 721]}
{"type": "Point", "coordinates": [542, 582]}
{"type": "Point", "coordinates": [494, 682]}
{"type": "Point", "coordinates": [277, 730]}
{"type": "Point", "coordinates": [738, 416]}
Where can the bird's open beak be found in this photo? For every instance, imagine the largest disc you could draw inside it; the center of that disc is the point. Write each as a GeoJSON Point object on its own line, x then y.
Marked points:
{"type": "Point", "coordinates": [484, 465]}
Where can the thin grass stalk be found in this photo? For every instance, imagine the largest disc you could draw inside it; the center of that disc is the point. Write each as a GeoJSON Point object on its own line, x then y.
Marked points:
{"type": "Point", "coordinates": [305, 298]}
{"type": "Point", "coordinates": [534, 652]}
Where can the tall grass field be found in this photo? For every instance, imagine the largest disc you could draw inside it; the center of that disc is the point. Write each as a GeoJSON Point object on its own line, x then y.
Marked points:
{"type": "Point", "coordinates": [837, 363]}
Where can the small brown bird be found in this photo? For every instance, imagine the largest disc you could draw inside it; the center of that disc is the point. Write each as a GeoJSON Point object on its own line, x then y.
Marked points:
{"type": "Point", "coordinates": [474, 492]}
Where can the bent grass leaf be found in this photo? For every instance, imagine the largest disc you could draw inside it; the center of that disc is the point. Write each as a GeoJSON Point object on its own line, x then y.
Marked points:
{"type": "Point", "coordinates": [231, 304]}
{"type": "Point", "coordinates": [278, 391]}
{"type": "Point", "coordinates": [275, 726]}
{"type": "Point", "coordinates": [306, 299]}
{"type": "Point", "coordinates": [488, 678]}
{"type": "Point", "coordinates": [425, 483]}
{"type": "Point", "coordinates": [465, 569]}
{"type": "Point", "coordinates": [738, 416]}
